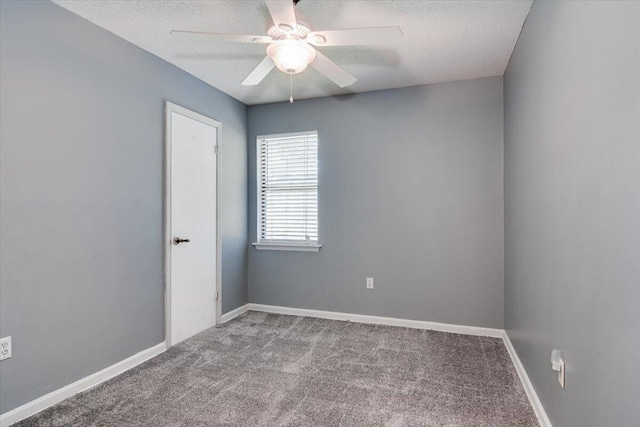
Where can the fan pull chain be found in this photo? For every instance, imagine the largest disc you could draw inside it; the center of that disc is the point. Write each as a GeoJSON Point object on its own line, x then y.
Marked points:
{"type": "Point", "coordinates": [291, 88]}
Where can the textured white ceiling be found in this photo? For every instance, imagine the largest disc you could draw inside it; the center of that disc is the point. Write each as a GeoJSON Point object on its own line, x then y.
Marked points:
{"type": "Point", "coordinates": [443, 40]}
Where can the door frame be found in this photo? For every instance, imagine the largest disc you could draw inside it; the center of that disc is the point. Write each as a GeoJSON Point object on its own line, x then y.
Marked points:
{"type": "Point", "coordinates": [169, 109]}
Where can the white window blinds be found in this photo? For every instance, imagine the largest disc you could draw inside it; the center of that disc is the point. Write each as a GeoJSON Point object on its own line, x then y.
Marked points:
{"type": "Point", "coordinates": [288, 188]}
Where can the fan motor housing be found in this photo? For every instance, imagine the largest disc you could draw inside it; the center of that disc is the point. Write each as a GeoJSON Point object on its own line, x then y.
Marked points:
{"type": "Point", "coordinates": [304, 26]}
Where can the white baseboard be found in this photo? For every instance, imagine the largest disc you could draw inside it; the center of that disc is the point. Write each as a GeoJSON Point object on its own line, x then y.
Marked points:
{"type": "Point", "coordinates": [543, 420]}
{"type": "Point", "coordinates": [377, 320]}
{"type": "Point", "coordinates": [41, 403]}
{"type": "Point", "coordinates": [234, 313]}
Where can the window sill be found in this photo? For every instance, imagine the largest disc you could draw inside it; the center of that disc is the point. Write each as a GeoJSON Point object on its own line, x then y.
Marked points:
{"type": "Point", "coordinates": [287, 247]}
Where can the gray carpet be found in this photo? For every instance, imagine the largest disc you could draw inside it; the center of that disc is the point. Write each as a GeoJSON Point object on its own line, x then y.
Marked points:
{"type": "Point", "coordinates": [271, 370]}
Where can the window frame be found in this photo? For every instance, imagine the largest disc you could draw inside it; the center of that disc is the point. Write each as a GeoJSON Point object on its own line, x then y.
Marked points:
{"type": "Point", "coordinates": [282, 245]}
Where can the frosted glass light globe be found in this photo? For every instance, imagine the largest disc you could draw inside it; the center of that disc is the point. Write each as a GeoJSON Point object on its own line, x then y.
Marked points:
{"type": "Point", "coordinates": [291, 56]}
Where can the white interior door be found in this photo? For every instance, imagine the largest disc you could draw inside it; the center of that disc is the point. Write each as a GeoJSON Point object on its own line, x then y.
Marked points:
{"type": "Point", "coordinates": [193, 223]}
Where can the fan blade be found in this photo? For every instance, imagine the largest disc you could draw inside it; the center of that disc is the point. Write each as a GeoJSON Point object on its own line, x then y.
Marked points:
{"type": "Point", "coordinates": [282, 13]}
{"type": "Point", "coordinates": [259, 73]}
{"type": "Point", "coordinates": [332, 71]}
{"type": "Point", "coordinates": [355, 36]}
{"type": "Point", "coordinates": [238, 38]}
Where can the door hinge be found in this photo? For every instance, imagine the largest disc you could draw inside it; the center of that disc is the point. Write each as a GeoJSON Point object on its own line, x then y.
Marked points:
{"type": "Point", "coordinates": [216, 148]}
{"type": "Point", "coordinates": [217, 293]}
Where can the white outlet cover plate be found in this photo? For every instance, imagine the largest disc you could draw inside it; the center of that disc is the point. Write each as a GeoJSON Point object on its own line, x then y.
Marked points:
{"type": "Point", "coordinates": [5, 348]}
{"type": "Point", "coordinates": [369, 282]}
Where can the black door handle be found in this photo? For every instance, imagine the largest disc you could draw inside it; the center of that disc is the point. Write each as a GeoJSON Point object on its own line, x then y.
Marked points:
{"type": "Point", "coordinates": [177, 240]}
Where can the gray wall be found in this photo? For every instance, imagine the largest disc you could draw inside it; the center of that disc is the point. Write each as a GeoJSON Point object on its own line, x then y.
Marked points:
{"type": "Point", "coordinates": [82, 196]}
{"type": "Point", "coordinates": [410, 193]}
{"type": "Point", "coordinates": [572, 199]}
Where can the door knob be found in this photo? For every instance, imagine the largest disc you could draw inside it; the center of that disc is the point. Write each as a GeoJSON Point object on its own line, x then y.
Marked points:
{"type": "Point", "coordinates": [177, 240]}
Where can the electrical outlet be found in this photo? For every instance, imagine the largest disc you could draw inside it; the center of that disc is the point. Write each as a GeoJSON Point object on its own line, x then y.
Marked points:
{"type": "Point", "coordinates": [369, 282]}
{"type": "Point", "coordinates": [5, 348]}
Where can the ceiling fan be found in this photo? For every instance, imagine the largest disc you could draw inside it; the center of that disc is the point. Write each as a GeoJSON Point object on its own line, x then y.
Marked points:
{"type": "Point", "coordinates": [290, 43]}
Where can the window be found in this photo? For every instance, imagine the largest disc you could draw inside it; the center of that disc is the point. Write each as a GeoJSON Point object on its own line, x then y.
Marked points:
{"type": "Point", "coordinates": [288, 191]}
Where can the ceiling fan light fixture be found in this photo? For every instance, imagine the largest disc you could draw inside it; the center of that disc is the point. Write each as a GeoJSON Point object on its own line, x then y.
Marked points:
{"type": "Point", "coordinates": [291, 56]}
{"type": "Point", "coordinates": [291, 40]}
